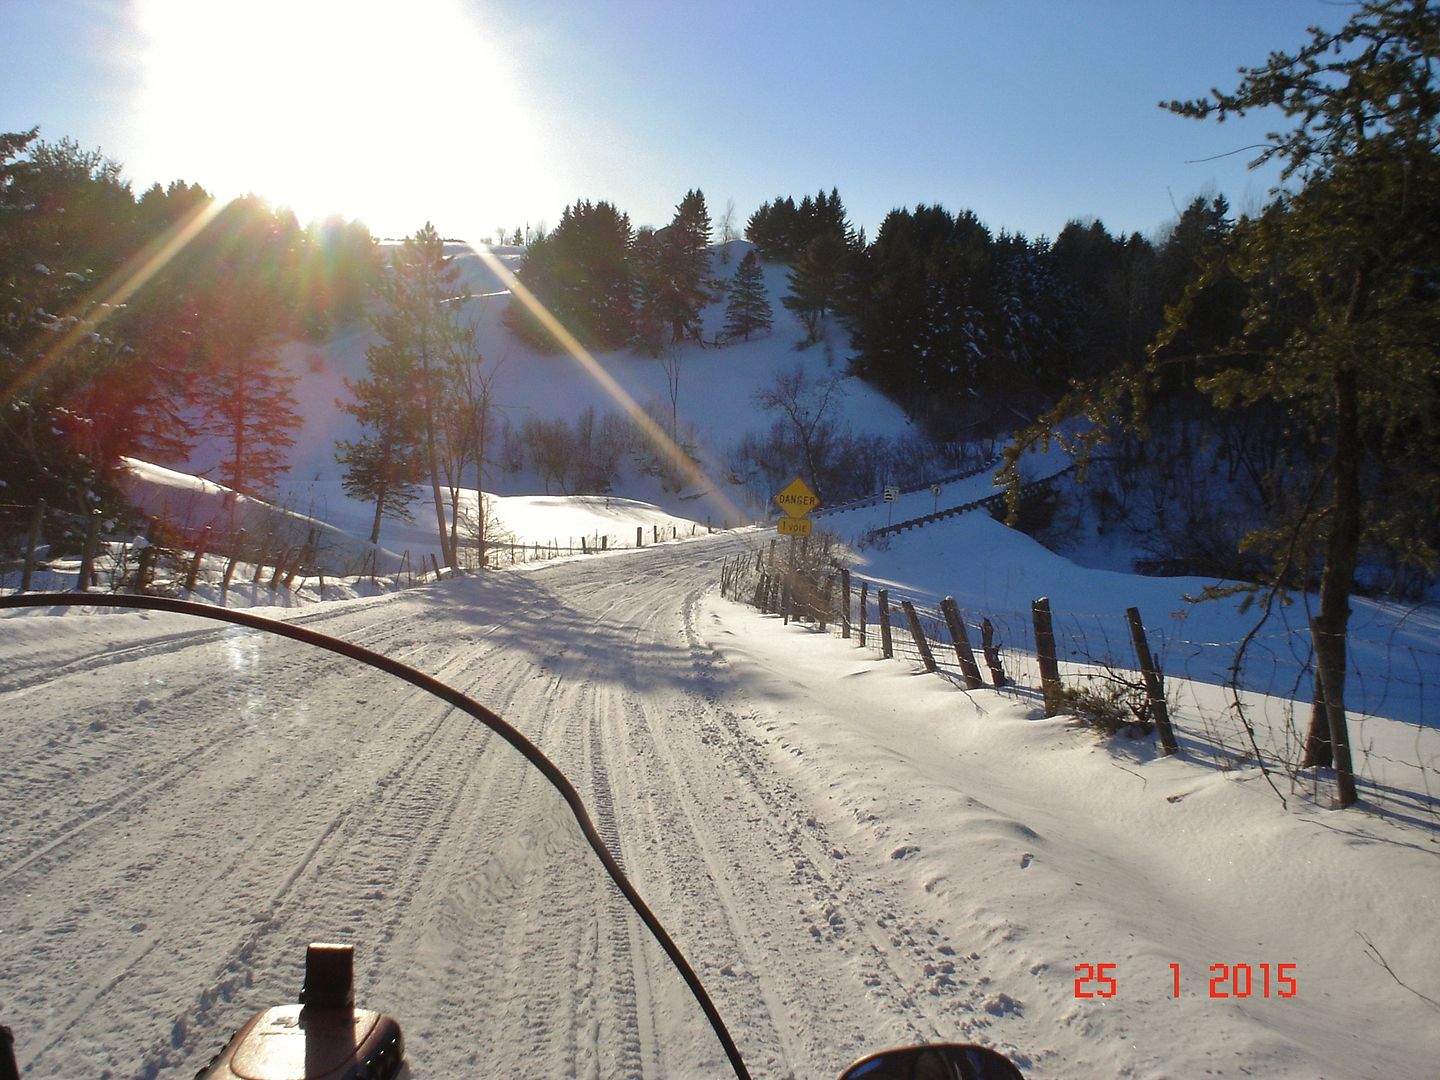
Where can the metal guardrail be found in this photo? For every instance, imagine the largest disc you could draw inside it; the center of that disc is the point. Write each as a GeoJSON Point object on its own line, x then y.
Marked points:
{"type": "Point", "coordinates": [963, 508]}
{"type": "Point", "coordinates": [875, 499]}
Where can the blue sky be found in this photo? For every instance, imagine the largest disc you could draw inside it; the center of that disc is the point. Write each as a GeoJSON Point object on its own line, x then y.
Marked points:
{"type": "Point", "coordinates": [480, 113]}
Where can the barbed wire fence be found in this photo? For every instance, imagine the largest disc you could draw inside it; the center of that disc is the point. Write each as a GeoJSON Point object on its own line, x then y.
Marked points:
{"type": "Point", "coordinates": [295, 561]}
{"type": "Point", "coordinates": [1255, 715]}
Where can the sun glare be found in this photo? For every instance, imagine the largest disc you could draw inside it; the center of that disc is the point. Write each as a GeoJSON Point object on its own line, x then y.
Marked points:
{"type": "Point", "coordinates": [393, 113]}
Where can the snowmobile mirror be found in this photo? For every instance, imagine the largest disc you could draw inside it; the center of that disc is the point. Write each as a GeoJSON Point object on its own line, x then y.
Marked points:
{"type": "Point", "coordinates": [945, 1061]}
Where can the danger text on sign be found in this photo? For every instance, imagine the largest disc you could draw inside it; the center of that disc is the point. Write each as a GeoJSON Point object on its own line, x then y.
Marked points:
{"type": "Point", "coordinates": [796, 499]}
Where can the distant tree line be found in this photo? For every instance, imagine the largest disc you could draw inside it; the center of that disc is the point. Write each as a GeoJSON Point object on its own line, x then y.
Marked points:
{"type": "Point", "coordinates": [613, 286]}
{"type": "Point", "coordinates": [136, 326]}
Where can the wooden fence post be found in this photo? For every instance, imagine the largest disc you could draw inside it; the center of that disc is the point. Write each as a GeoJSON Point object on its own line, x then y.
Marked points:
{"type": "Point", "coordinates": [864, 604]}
{"type": "Point", "coordinates": [1045, 653]}
{"type": "Point", "coordinates": [146, 567]}
{"type": "Point", "coordinates": [260, 559]}
{"type": "Point", "coordinates": [886, 646]}
{"type": "Point", "coordinates": [825, 601]}
{"type": "Point", "coordinates": [845, 602]}
{"type": "Point", "coordinates": [992, 653]}
{"type": "Point", "coordinates": [926, 656]}
{"type": "Point", "coordinates": [32, 542]}
{"type": "Point", "coordinates": [1154, 683]}
{"type": "Point", "coordinates": [960, 638]}
{"type": "Point", "coordinates": [194, 571]}
{"type": "Point", "coordinates": [787, 599]}
{"type": "Point", "coordinates": [87, 557]}
{"type": "Point", "coordinates": [300, 560]}
{"type": "Point", "coordinates": [230, 566]}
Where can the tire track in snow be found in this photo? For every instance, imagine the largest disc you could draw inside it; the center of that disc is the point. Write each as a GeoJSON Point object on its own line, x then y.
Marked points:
{"type": "Point", "coordinates": [245, 884]}
{"type": "Point", "coordinates": [895, 960]}
{"type": "Point", "coordinates": [72, 830]}
{"type": "Point", "coordinates": [646, 701]}
{"type": "Point", "coordinates": [127, 796]}
{"type": "Point", "coordinates": [624, 944]}
{"type": "Point", "coordinates": [404, 798]}
{"type": "Point", "coordinates": [905, 961]}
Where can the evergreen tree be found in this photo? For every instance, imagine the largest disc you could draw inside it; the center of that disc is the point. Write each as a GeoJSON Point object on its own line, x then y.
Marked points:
{"type": "Point", "coordinates": [245, 396]}
{"type": "Point", "coordinates": [782, 231]}
{"type": "Point", "coordinates": [649, 271]}
{"type": "Point", "coordinates": [1114, 282]}
{"type": "Point", "coordinates": [1035, 321]}
{"type": "Point", "coordinates": [386, 461]}
{"type": "Point", "coordinates": [418, 320]}
{"type": "Point", "coordinates": [748, 309]}
{"type": "Point", "coordinates": [1341, 317]}
{"type": "Point", "coordinates": [687, 264]}
{"type": "Point", "coordinates": [337, 265]}
{"type": "Point", "coordinates": [817, 281]}
{"type": "Point", "coordinates": [581, 273]}
{"type": "Point", "coordinates": [75, 396]}
{"type": "Point", "coordinates": [770, 227]}
{"type": "Point", "coordinates": [923, 313]}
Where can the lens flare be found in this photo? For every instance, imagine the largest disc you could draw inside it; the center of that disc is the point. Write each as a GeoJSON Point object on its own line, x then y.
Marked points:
{"type": "Point", "coordinates": [116, 291]}
{"type": "Point", "coordinates": [658, 437]}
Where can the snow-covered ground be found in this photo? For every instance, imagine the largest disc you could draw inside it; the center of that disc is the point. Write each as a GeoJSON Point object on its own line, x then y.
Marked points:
{"type": "Point", "coordinates": [853, 854]}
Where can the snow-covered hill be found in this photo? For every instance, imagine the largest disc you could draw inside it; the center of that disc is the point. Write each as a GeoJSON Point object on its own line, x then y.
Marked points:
{"type": "Point", "coordinates": [714, 404]}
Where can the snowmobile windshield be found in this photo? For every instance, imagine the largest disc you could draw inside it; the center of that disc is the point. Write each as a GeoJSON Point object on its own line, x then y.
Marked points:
{"type": "Point", "coordinates": [188, 802]}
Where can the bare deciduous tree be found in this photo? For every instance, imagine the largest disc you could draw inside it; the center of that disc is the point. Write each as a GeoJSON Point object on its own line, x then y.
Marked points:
{"type": "Point", "coordinates": [806, 409]}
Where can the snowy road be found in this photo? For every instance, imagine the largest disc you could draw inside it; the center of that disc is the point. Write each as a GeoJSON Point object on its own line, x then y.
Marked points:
{"type": "Point", "coordinates": [192, 805]}
{"type": "Point", "coordinates": [852, 855]}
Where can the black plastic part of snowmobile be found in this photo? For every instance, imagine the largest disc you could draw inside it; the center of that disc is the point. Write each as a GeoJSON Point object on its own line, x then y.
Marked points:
{"type": "Point", "coordinates": [8, 1069]}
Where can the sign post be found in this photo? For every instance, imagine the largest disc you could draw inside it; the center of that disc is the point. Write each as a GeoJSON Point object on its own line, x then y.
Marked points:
{"type": "Point", "coordinates": [797, 500]}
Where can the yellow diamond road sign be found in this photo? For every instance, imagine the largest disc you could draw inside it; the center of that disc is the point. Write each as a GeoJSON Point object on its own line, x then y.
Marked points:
{"type": "Point", "coordinates": [797, 500]}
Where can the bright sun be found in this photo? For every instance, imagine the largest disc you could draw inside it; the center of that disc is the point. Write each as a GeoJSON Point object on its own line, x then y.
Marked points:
{"type": "Point", "coordinates": [393, 112]}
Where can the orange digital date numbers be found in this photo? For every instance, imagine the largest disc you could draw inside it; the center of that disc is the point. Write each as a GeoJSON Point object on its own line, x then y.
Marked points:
{"type": "Point", "coordinates": [1226, 981]}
